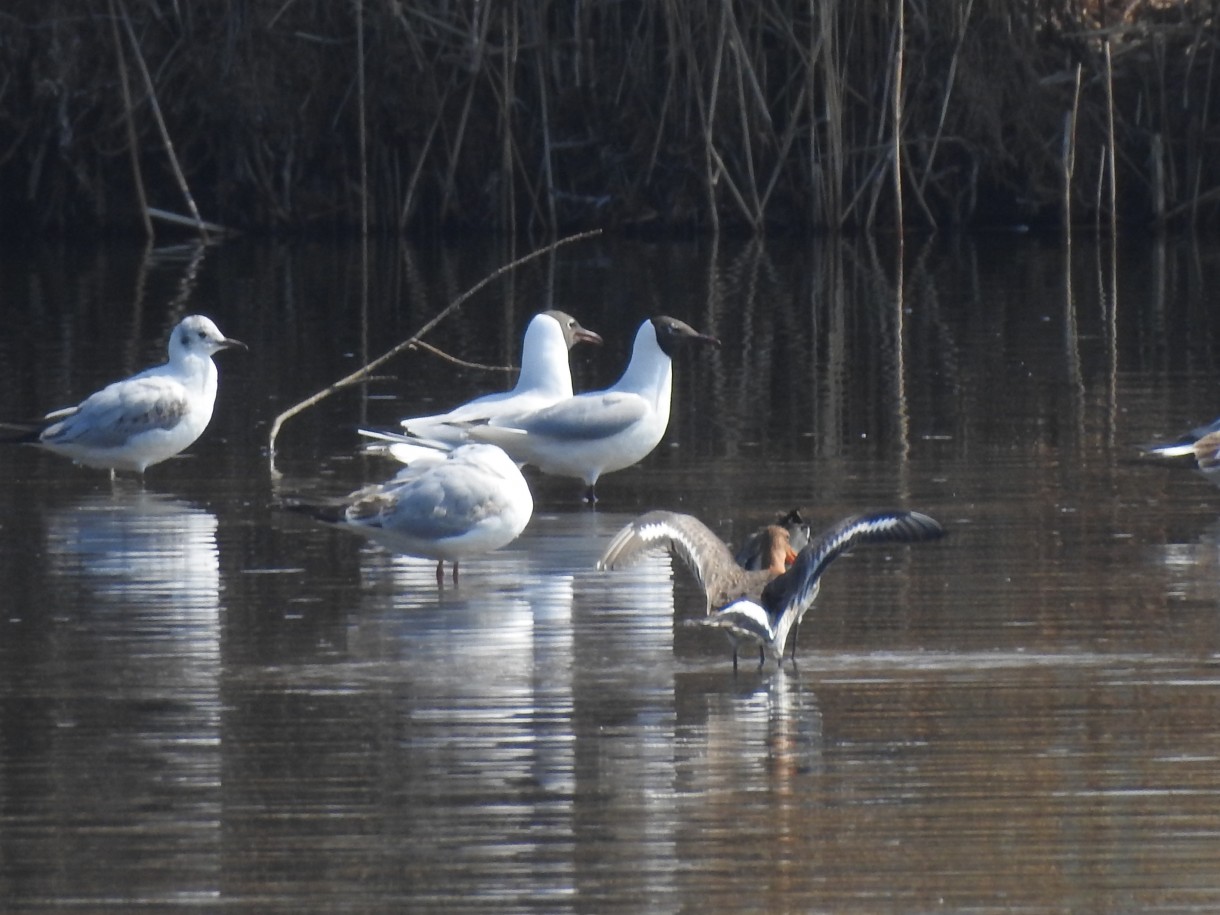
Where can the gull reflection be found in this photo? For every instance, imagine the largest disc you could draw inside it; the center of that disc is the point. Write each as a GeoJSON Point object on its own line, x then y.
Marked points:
{"type": "Point", "coordinates": [140, 547]}
{"type": "Point", "coordinates": [1194, 568]}
{"type": "Point", "coordinates": [134, 587]}
{"type": "Point", "coordinates": [140, 580]}
{"type": "Point", "coordinates": [481, 677]}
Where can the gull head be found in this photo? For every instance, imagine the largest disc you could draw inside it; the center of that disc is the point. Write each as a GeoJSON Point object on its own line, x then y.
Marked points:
{"type": "Point", "coordinates": [672, 333]}
{"type": "Point", "coordinates": [573, 332]}
{"type": "Point", "coordinates": [196, 335]}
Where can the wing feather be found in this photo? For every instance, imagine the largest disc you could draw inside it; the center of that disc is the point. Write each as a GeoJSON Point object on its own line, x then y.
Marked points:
{"type": "Point", "coordinates": [684, 536]}
{"type": "Point", "coordinates": [110, 417]}
{"type": "Point", "coordinates": [796, 588]}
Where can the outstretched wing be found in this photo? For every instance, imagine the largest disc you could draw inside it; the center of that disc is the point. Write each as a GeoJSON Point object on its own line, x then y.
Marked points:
{"type": "Point", "coordinates": [684, 536]}
{"type": "Point", "coordinates": [796, 588]}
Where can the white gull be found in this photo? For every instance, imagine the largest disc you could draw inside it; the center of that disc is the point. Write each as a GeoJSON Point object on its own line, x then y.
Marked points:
{"type": "Point", "coordinates": [147, 418]}
{"type": "Point", "coordinates": [599, 432]}
{"type": "Point", "coordinates": [447, 506]}
{"type": "Point", "coordinates": [546, 377]}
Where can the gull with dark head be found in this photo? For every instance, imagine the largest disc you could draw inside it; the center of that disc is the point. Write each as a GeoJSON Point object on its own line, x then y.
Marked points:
{"type": "Point", "coordinates": [546, 378]}
{"type": "Point", "coordinates": [147, 418]}
{"type": "Point", "coordinates": [446, 506]}
{"type": "Point", "coordinates": [599, 432]}
{"type": "Point", "coordinates": [760, 607]}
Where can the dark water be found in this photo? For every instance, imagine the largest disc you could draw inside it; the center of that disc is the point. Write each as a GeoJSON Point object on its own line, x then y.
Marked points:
{"type": "Point", "coordinates": [208, 703]}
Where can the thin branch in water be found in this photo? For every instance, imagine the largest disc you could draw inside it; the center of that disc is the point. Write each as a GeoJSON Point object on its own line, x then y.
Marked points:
{"type": "Point", "coordinates": [365, 371]}
{"type": "Point", "coordinates": [462, 363]}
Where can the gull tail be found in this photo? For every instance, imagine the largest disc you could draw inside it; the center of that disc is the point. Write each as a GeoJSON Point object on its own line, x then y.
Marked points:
{"type": "Point", "coordinates": [318, 511]}
{"type": "Point", "coordinates": [404, 447]}
{"type": "Point", "coordinates": [1183, 445]}
{"type": "Point", "coordinates": [21, 433]}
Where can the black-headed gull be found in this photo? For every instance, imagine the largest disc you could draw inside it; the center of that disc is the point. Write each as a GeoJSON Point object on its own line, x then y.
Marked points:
{"type": "Point", "coordinates": [771, 605]}
{"type": "Point", "coordinates": [446, 506]}
{"type": "Point", "coordinates": [545, 378]}
{"type": "Point", "coordinates": [147, 418]}
{"type": "Point", "coordinates": [599, 432]}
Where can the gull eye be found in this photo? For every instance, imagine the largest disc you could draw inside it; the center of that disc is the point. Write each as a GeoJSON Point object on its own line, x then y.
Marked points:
{"type": "Point", "coordinates": [203, 335]}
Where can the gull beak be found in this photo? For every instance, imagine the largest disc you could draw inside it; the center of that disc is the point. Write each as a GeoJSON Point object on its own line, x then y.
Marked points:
{"type": "Point", "coordinates": [230, 343]}
{"type": "Point", "coordinates": [584, 335]}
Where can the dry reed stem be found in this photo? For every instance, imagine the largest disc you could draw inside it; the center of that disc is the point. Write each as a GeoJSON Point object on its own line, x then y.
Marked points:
{"type": "Point", "coordinates": [365, 371]}
{"type": "Point", "coordinates": [899, 59]}
{"type": "Point", "coordinates": [1111, 155]}
{"type": "Point", "coordinates": [1069, 153]}
{"type": "Point", "coordinates": [363, 126]}
{"type": "Point", "coordinates": [157, 116]}
{"type": "Point", "coordinates": [514, 116]}
{"type": "Point", "coordinates": [949, 83]}
{"type": "Point", "coordinates": [133, 153]}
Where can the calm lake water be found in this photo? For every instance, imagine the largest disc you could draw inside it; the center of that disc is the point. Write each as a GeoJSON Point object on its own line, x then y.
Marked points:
{"type": "Point", "coordinates": [206, 702]}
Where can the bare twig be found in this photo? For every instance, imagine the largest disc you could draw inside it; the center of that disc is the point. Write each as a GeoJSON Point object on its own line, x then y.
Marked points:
{"type": "Point", "coordinates": [365, 371]}
{"type": "Point", "coordinates": [463, 363]}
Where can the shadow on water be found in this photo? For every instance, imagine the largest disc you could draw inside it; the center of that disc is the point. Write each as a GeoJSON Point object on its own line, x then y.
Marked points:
{"type": "Point", "coordinates": [206, 700]}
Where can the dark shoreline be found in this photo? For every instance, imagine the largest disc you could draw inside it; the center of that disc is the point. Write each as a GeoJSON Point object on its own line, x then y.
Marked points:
{"type": "Point", "coordinates": [315, 117]}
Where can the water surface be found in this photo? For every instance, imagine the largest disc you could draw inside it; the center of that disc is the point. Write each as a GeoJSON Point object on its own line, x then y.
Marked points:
{"type": "Point", "coordinates": [208, 702]}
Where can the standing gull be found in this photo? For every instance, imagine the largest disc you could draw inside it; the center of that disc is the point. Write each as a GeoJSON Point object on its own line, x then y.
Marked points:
{"type": "Point", "coordinates": [546, 377]}
{"type": "Point", "coordinates": [760, 607]}
{"type": "Point", "coordinates": [147, 418]}
{"type": "Point", "coordinates": [446, 507]}
{"type": "Point", "coordinates": [601, 431]}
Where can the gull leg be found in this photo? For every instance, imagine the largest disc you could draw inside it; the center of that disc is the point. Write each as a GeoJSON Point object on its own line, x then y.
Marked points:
{"type": "Point", "coordinates": [440, 573]}
{"type": "Point", "coordinates": [734, 659]}
{"type": "Point", "coordinates": [591, 495]}
{"type": "Point", "coordinates": [455, 572]}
